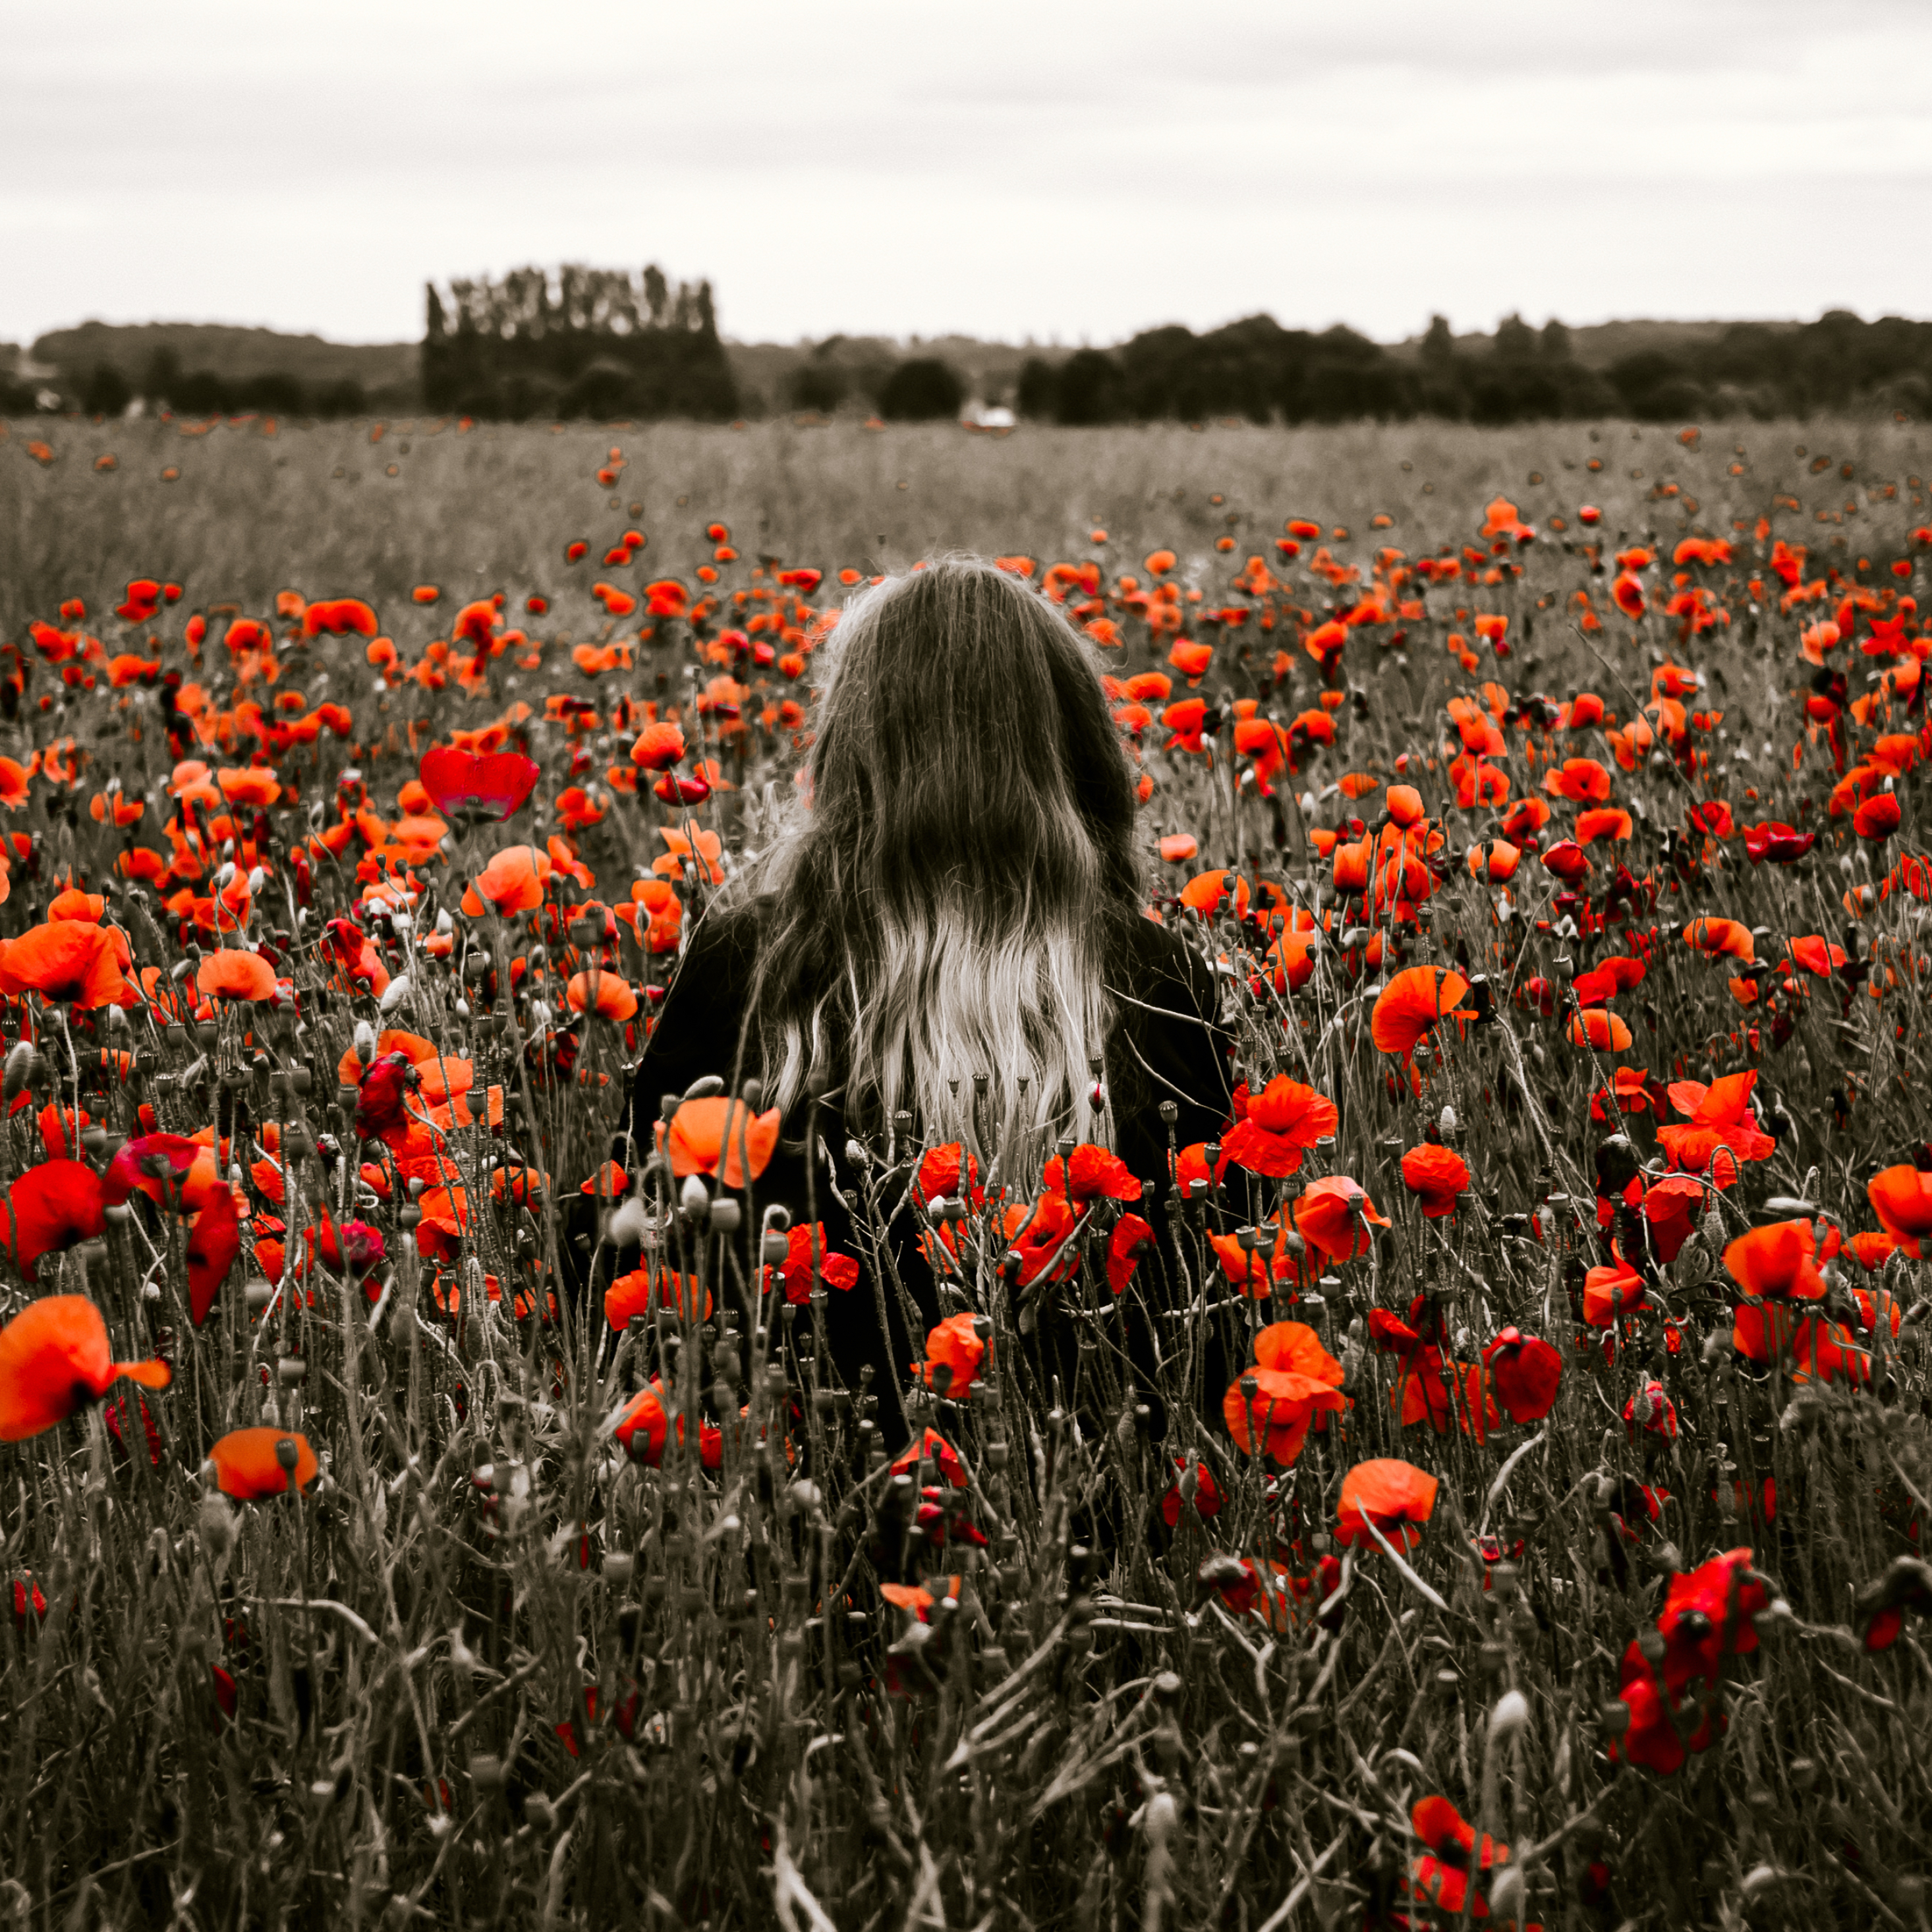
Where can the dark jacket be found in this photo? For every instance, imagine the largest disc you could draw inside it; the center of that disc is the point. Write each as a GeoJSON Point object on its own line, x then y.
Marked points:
{"type": "Point", "coordinates": [1166, 1046]}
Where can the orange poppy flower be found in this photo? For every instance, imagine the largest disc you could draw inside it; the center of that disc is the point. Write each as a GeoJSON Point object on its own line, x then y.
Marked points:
{"type": "Point", "coordinates": [1779, 1260]}
{"type": "Point", "coordinates": [1410, 1004]}
{"type": "Point", "coordinates": [639, 1291]}
{"type": "Point", "coordinates": [1334, 1216]}
{"type": "Point", "coordinates": [1295, 1379]}
{"type": "Point", "coordinates": [609, 994]}
{"type": "Point", "coordinates": [1438, 1174]}
{"type": "Point", "coordinates": [1720, 936]}
{"type": "Point", "coordinates": [230, 974]}
{"type": "Point", "coordinates": [1394, 1496]}
{"type": "Point", "coordinates": [1901, 1197]}
{"type": "Point", "coordinates": [66, 960]}
{"type": "Point", "coordinates": [1598, 1026]}
{"type": "Point", "coordinates": [703, 1134]}
{"type": "Point", "coordinates": [658, 748]}
{"type": "Point", "coordinates": [54, 1359]}
{"type": "Point", "coordinates": [953, 1355]}
{"type": "Point", "coordinates": [250, 785]}
{"type": "Point", "coordinates": [253, 1463]}
{"type": "Point", "coordinates": [1497, 861]}
{"type": "Point", "coordinates": [511, 882]}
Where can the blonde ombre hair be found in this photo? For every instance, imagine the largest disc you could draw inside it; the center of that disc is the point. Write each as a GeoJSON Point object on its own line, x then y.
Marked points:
{"type": "Point", "coordinates": [937, 903]}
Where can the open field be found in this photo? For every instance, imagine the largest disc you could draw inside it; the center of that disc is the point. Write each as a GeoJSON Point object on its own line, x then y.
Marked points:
{"type": "Point", "coordinates": [1576, 1500]}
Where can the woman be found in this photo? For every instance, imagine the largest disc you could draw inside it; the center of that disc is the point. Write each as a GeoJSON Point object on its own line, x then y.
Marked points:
{"type": "Point", "coordinates": [950, 926]}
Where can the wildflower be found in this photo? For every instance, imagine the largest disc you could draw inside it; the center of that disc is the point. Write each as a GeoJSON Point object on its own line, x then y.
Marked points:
{"type": "Point", "coordinates": [1437, 1174]}
{"type": "Point", "coordinates": [1524, 1372]}
{"type": "Point", "coordinates": [1293, 1380]}
{"type": "Point", "coordinates": [1334, 1216]}
{"type": "Point", "coordinates": [1394, 1497]}
{"type": "Point", "coordinates": [718, 1136]}
{"type": "Point", "coordinates": [1410, 1005]}
{"type": "Point", "coordinates": [250, 1464]}
{"type": "Point", "coordinates": [54, 1359]}
{"type": "Point", "coordinates": [1277, 1125]}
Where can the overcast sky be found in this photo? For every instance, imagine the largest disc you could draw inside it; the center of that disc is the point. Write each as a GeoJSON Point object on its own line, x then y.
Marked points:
{"type": "Point", "coordinates": [1043, 169]}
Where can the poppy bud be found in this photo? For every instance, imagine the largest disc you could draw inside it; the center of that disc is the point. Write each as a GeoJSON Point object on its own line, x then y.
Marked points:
{"type": "Point", "coordinates": [1509, 1718]}
{"type": "Point", "coordinates": [693, 1200]}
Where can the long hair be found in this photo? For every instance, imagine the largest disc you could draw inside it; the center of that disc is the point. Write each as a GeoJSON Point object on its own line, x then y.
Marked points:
{"type": "Point", "coordinates": [936, 905]}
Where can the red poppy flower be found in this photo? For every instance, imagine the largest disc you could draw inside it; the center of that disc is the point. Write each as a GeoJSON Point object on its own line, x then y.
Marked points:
{"type": "Point", "coordinates": [54, 1359]}
{"type": "Point", "coordinates": [1878, 818]}
{"type": "Point", "coordinates": [1282, 1119]}
{"type": "Point", "coordinates": [1438, 1174]}
{"type": "Point", "coordinates": [1524, 1372]}
{"type": "Point", "coordinates": [1132, 1238]}
{"type": "Point", "coordinates": [1093, 1174]}
{"type": "Point", "coordinates": [1582, 780]}
{"type": "Point", "coordinates": [489, 785]}
{"type": "Point", "coordinates": [213, 1242]}
{"type": "Point", "coordinates": [1207, 1497]}
{"type": "Point", "coordinates": [1779, 1260]}
{"type": "Point", "coordinates": [1720, 1116]}
{"type": "Point", "coordinates": [839, 1271]}
{"type": "Point", "coordinates": [52, 1206]}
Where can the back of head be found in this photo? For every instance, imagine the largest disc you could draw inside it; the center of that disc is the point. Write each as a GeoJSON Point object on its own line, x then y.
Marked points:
{"type": "Point", "coordinates": [940, 901]}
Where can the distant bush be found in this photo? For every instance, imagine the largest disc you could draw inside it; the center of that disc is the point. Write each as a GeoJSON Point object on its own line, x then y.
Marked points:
{"type": "Point", "coordinates": [105, 391]}
{"type": "Point", "coordinates": [1089, 388]}
{"type": "Point", "coordinates": [922, 389]}
{"type": "Point", "coordinates": [818, 385]}
{"type": "Point", "coordinates": [1038, 395]}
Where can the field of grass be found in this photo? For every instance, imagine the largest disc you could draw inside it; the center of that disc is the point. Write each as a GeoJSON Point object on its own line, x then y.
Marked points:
{"type": "Point", "coordinates": [490, 1626]}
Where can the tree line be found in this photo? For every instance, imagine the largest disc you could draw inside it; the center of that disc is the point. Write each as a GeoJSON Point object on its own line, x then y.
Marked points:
{"type": "Point", "coordinates": [609, 344]}
{"type": "Point", "coordinates": [1256, 370]}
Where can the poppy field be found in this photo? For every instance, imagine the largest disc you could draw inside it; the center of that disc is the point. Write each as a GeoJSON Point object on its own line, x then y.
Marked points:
{"type": "Point", "coordinates": [1544, 803]}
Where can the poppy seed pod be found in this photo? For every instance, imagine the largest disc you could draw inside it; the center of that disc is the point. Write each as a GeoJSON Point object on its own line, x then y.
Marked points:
{"type": "Point", "coordinates": [19, 1065]}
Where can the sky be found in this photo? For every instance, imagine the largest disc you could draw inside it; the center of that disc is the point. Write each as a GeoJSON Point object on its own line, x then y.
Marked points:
{"type": "Point", "coordinates": [1048, 170]}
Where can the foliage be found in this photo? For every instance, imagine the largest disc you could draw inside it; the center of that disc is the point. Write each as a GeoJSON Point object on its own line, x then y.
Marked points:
{"type": "Point", "coordinates": [922, 389]}
{"type": "Point", "coordinates": [593, 342]}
